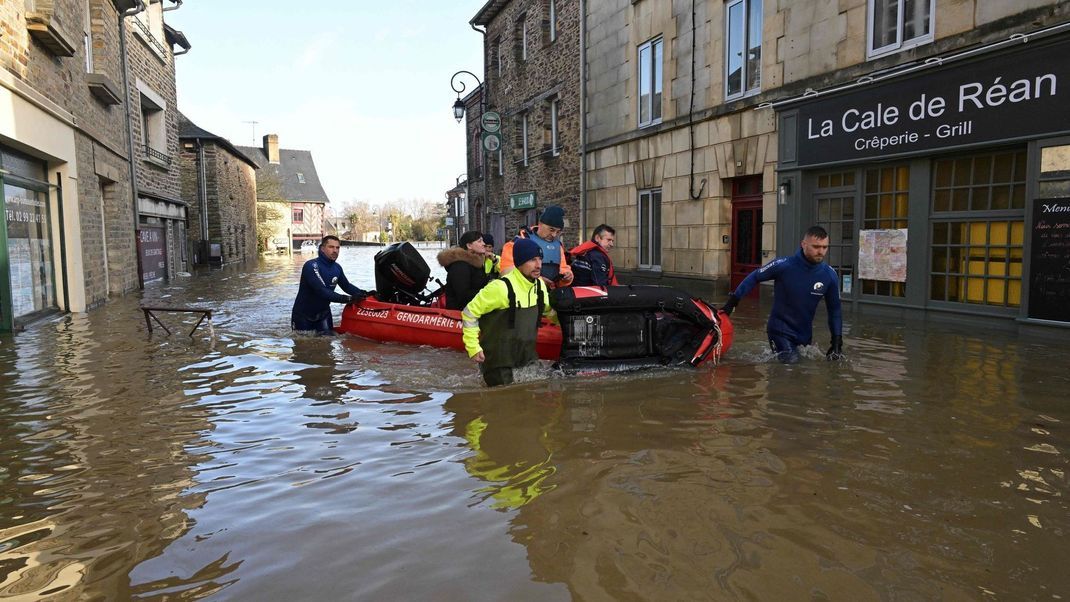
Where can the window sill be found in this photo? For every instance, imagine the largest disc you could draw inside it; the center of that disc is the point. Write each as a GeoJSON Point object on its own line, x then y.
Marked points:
{"type": "Point", "coordinates": [886, 51]}
{"type": "Point", "coordinates": [45, 29]}
{"type": "Point", "coordinates": [649, 124]}
{"type": "Point", "coordinates": [742, 95]}
{"type": "Point", "coordinates": [104, 89]}
{"type": "Point", "coordinates": [162, 161]}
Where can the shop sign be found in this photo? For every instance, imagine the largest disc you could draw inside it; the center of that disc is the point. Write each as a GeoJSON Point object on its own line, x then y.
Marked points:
{"type": "Point", "coordinates": [1015, 94]}
{"type": "Point", "coordinates": [1049, 266]}
{"type": "Point", "coordinates": [522, 200]}
{"type": "Point", "coordinates": [151, 246]}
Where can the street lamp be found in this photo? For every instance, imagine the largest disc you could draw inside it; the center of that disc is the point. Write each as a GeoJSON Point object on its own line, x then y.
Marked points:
{"type": "Point", "coordinates": [458, 114]}
{"type": "Point", "coordinates": [459, 87]}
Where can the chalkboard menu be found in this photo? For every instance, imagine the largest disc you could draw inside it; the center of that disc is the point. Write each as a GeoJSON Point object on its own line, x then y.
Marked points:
{"type": "Point", "coordinates": [1049, 280]}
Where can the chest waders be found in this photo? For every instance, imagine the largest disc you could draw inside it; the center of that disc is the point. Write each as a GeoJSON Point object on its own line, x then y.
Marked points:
{"type": "Point", "coordinates": [508, 337]}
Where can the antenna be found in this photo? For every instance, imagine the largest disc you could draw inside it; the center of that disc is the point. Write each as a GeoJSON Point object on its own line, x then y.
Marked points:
{"type": "Point", "coordinates": [253, 123]}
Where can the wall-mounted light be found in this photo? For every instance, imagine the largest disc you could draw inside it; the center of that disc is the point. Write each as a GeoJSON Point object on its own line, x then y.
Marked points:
{"type": "Point", "coordinates": [783, 192]}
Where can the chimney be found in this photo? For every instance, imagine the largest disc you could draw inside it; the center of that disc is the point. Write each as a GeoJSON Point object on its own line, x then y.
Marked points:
{"type": "Point", "coordinates": [271, 147]}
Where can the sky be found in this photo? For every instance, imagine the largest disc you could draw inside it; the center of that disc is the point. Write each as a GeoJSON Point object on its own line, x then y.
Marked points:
{"type": "Point", "coordinates": [363, 84]}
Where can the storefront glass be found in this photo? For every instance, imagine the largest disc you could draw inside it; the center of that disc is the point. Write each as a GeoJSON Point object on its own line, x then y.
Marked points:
{"type": "Point", "coordinates": [29, 248]}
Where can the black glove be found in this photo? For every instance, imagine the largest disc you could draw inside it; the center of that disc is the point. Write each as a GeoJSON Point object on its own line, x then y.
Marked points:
{"type": "Point", "coordinates": [346, 298]}
{"type": "Point", "coordinates": [835, 351]}
{"type": "Point", "coordinates": [370, 293]}
{"type": "Point", "coordinates": [730, 305]}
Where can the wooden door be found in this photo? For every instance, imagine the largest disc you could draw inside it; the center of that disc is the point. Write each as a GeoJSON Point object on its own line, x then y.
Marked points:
{"type": "Point", "coordinates": [746, 229]}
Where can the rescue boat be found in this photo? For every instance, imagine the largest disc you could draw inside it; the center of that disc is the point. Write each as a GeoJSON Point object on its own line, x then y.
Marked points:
{"type": "Point", "coordinates": [601, 328]}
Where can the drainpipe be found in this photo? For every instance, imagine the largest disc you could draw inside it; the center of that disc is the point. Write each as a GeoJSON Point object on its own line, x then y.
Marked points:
{"type": "Point", "coordinates": [139, 5]}
{"type": "Point", "coordinates": [63, 243]}
{"type": "Point", "coordinates": [690, 117]}
{"type": "Point", "coordinates": [583, 121]}
{"type": "Point", "coordinates": [177, 3]}
{"type": "Point", "coordinates": [202, 198]}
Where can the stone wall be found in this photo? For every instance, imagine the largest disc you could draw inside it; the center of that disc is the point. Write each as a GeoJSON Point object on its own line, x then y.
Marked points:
{"type": "Point", "coordinates": [231, 198]}
{"type": "Point", "coordinates": [551, 71]}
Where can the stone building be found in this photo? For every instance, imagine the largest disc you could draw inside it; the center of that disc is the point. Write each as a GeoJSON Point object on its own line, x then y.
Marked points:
{"type": "Point", "coordinates": [717, 131]}
{"type": "Point", "coordinates": [288, 184]}
{"type": "Point", "coordinates": [68, 236]}
{"type": "Point", "coordinates": [219, 186]}
{"type": "Point", "coordinates": [457, 222]}
{"type": "Point", "coordinates": [161, 212]}
{"type": "Point", "coordinates": [531, 78]}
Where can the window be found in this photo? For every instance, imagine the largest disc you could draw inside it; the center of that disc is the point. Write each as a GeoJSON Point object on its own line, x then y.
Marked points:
{"type": "Point", "coordinates": [553, 20]}
{"type": "Point", "coordinates": [743, 48]}
{"type": "Point", "coordinates": [153, 129]}
{"type": "Point", "coordinates": [524, 137]}
{"type": "Point", "coordinates": [978, 229]}
{"type": "Point", "coordinates": [554, 108]}
{"type": "Point", "coordinates": [650, 83]}
{"type": "Point", "coordinates": [898, 24]}
{"type": "Point", "coordinates": [298, 216]}
{"type": "Point", "coordinates": [885, 206]}
{"type": "Point", "coordinates": [501, 161]}
{"type": "Point", "coordinates": [650, 228]}
{"type": "Point", "coordinates": [87, 38]}
{"type": "Point", "coordinates": [835, 204]}
{"type": "Point", "coordinates": [523, 38]}
{"type": "Point", "coordinates": [300, 178]}
{"type": "Point", "coordinates": [498, 54]}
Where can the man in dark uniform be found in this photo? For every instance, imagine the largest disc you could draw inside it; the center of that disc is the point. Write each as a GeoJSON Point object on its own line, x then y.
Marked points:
{"type": "Point", "coordinates": [500, 324]}
{"type": "Point", "coordinates": [801, 282]}
{"type": "Point", "coordinates": [312, 308]}
{"type": "Point", "coordinates": [591, 264]}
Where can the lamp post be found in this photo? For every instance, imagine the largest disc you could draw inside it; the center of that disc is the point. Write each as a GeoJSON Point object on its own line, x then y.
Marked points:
{"type": "Point", "coordinates": [458, 113]}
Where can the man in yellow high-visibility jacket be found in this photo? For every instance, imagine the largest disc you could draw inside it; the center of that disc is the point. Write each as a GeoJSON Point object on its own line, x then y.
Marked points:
{"type": "Point", "coordinates": [500, 324]}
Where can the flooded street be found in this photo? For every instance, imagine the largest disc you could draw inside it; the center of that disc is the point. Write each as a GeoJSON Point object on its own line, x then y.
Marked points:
{"type": "Point", "coordinates": [255, 465]}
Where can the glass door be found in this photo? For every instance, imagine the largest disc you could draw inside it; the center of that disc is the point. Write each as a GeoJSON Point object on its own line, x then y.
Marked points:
{"type": "Point", "coordinates": [30, 279]}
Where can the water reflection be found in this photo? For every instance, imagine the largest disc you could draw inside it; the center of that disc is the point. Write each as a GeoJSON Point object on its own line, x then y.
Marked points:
{"type": "Point", "coordinates": [259, 465]}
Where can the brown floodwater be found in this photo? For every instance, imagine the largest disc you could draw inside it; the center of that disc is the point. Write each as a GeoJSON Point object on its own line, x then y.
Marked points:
{"type": "Point", "coordinates": [255, 465]}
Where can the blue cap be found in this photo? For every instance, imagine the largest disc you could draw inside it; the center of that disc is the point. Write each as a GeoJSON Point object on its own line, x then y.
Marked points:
{"type": "Point", "coordinates": [525, 250]}
{"type": "Point", "coordinates": [553, 216]}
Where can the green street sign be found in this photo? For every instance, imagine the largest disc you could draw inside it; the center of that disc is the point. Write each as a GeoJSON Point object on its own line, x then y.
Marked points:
{"type": "Point", "coordinates": [492, 122]}
{"type": "Point", "coordinates": [492, 141]}
{"type": "Point", "coordinates": [522, 200]}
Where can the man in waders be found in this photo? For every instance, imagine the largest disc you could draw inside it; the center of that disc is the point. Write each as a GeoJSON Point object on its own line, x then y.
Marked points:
{"type": "Point", "coordinates": [501, 323]}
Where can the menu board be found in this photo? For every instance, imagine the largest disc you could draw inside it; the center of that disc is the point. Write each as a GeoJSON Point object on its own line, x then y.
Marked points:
{"type": "Point", "coordinates": [151, 243]}
{"type": "Point", "coordinates": [1049, 274]}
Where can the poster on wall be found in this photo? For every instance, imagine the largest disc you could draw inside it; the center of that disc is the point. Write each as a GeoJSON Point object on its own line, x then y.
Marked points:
{"type": "Point", "coordinates": [1049, 271]}
{"type": "Point", "coordinates": [882, 255]}
{"type": "Point", "coordinates": [151, 246]}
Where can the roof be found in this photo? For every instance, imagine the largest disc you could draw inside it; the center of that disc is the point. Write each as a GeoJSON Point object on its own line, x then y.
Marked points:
{"type": "Point", "coordinates": [488, 12]}
{"type": "Point", "coordinates": [291, 163]}
{"type": "Point", "coordinates": [187, 130]}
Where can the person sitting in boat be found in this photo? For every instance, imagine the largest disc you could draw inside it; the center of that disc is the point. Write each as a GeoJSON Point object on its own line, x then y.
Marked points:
{"type": "Point", "coordinates": [500, 325]}
{"type": "Point", "coordinates": [312, 308]}
{"type": "Point", "coordinates": [492, 264]}
{"type": "Point", "coordinates": [555, 269]}
{"type": "Point", "coordinates": [591, 263]}
{"type": "Point", "coordinates": [801, 281]}
{"type": "Point", "coordinates": [465, 274]}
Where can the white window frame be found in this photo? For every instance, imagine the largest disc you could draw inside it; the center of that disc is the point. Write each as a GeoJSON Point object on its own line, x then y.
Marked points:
{"type": "Point", "coordinates": [655, 71]}
{"type": "Point", "coordinates": [501, 160]}
{"type": "Point", "coordinates": [553, 21]}
{"type": "Point", "coordinates": [744, 91]}
{"type": "Point", "coordinates": [645, 230]}
{"type": "Point", "coordinates": [87, 38]}
{"type": "Point", "coordinates": [898, 45]}
{"type": "Point", "coordinates": [554, 108]}
{"type": "Point", "coordinates": [524, 39]}
{"type": "Point", "coordinates": [499, 51]}
{"type": "Point", "coordinates": [524, 136]}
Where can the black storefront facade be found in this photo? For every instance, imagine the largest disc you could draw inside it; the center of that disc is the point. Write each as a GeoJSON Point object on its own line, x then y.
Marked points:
{"type": "Point", "coordinates": [945, 186]}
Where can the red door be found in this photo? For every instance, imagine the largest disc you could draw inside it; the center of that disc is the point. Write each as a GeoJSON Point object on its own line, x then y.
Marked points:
{"type": "Point", "coordinates": [746, 229]}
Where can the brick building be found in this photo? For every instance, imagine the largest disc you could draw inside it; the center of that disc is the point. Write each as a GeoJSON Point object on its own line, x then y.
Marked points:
{"type": "Point", "coordinates": [288, 183]}
{"type": "Point", "coordinates": [531, 78]}
{"type": "Point", "coordinates": [219, 185]}
{"type": "Point", "coordinates": [68, 237]}
{"type": "Point", "coordinates": [161, 211]}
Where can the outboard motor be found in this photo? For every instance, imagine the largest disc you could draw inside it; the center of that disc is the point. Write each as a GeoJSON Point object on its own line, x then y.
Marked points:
{"type": "Point", "coordinates": [401, 275]}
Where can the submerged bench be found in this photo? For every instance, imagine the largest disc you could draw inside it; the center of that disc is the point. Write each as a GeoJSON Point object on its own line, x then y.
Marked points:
{"type": "Point", "coordinates": [149, 316]}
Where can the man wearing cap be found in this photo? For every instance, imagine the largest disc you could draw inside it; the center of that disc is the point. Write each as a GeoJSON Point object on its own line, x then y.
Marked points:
{"type": "Point", "coordinates": [500, 325]}
{"type": "Point", "coordinates": [555, 270]}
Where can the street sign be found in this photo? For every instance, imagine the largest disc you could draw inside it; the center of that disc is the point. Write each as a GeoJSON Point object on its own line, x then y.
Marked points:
{"type": "Point", "coordinates": [492, 141]}
{"type": "Point", "coordinates": [492, 122]}
{"type": "Point", "coordinates": [522, 200]}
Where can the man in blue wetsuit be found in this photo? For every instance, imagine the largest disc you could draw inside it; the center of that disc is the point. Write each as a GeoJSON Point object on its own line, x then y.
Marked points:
{"type": "Point", "coordinates": [801, 282]}
{"type": "Point", "coordinates": [319, 276]}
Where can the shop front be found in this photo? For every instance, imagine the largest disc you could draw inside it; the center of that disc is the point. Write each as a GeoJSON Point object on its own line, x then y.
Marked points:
{"type": "Point", "coordinates": [27, 272]}
{"type": "Point", "coordinates": [161, 238]}
{"type": "Point", "coordinates": [944, 186]}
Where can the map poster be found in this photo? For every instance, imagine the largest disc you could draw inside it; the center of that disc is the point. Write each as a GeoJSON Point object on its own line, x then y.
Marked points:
{"type": "Point", "coordinates": [882, 255]}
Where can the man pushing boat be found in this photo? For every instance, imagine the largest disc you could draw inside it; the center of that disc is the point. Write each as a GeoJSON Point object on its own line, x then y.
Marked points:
{"type": "Point", "coordinates": [312, 308]}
